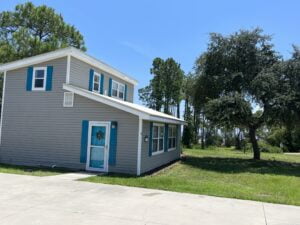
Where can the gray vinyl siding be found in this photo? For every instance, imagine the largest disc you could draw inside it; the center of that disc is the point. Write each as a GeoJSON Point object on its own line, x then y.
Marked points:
{"type": "Point", "coordinates": [38, 130]}
{"type": "Point", "coordinates": [79, 76]}
{"type": "Point", "coordinates": [151, 162]}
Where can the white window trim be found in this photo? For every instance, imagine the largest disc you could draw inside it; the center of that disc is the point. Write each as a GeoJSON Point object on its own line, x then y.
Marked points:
{"type": "Point", "coordinates": [160, 151]}
{"type": "Point", "coordinates": [119, 84]}
{"type": "Point", "coordinates": [68, 106]}
{"type": "Point", "coordinates": [33, 79]}
{"type": "Point", "coordinates": [172, 149]}
{"type": "Point", "coordinates": [99, 85]}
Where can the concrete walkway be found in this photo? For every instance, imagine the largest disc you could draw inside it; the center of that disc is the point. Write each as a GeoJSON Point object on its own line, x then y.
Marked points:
{"type": "Point", "coordinates": [59, 200]}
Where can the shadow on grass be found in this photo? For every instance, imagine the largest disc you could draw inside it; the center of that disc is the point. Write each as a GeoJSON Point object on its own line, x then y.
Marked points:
{"type": "Point", "coordinates": [236, 165]}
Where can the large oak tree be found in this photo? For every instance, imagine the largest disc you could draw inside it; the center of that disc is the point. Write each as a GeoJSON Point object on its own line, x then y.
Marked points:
{"type": "Point", "coordinates": [231, 73]}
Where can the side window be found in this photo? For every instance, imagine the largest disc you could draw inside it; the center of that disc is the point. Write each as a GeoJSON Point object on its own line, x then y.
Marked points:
{"type": "Point", "coordinates": [158, 138]}
{"type": "Point", "coordinates": [118, 90]}
{"type": "Point", "coordinates": [115, 87]}
{"type": "Point", "coordinates": [172, 137]}
{"type": "Point", "coordinates": [96, 82]}
{"type": "Point", "coordinates": [39, 78]}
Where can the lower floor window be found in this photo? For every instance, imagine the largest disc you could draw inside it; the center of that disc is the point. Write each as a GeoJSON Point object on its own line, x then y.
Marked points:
{"type": "Point", "coordinates": [172, 137]}
{"type": "Point", "coordinates": [158, 138]}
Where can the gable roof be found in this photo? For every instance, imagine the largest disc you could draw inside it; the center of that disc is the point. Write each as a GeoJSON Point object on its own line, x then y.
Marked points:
{"type": "Point", "coordinates": [141, 111]}
{"type": "Point", "coordinates": [70, 51]}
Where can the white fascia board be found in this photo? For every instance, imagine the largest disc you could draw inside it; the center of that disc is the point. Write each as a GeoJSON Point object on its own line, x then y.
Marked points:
{"type": "Point", "coordinates": [34, 59]}
{"type": "Point", "coordinates": [166, 120]}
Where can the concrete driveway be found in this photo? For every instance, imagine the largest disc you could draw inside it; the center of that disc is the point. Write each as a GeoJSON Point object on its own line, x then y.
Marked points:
{"type": "Point", "coordinates": [57, 200]}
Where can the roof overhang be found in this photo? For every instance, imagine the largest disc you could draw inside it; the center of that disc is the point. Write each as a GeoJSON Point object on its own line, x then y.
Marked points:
{"type": "Point", "coordinates": [140, 111]}
{"type": "Point", "coordinates": [70, 51]}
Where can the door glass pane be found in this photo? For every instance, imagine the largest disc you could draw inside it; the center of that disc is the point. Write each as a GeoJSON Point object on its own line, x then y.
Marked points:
{"type": "Point", "coordinates": [98, 136]}
{"type": "Point", "coordinates": [97, 157]}
{"type": "Point", "coordinates": [97, 149]}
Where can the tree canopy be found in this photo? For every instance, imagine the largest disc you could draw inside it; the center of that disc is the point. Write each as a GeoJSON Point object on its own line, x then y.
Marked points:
{"type": "Point", "coordinates": [231, 73]}
{"type": "Point", "coordinates": [30, 30]}
{"type": "Point", "coordinates": [165, 89]}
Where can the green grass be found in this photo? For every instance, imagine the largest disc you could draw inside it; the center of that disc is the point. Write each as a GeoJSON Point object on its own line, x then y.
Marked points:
{"type": "Point", "coordinates": [26, 170]}
{"type": "Point", "coordinates": [226, 173]}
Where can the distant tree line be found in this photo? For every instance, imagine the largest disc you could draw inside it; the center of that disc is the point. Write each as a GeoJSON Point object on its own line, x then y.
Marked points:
{"type": "Point", "coordinates": [241, 91]}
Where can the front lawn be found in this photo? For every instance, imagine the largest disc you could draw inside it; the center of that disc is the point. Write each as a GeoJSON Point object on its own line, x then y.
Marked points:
{"type": "Point", "coordinates": [224, 172]}
{"type": "Point", "coordinates": [26, 170]}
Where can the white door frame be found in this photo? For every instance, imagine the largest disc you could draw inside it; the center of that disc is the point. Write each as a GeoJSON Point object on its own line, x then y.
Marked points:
{"type": "Point", "coordinates": [106, 147]}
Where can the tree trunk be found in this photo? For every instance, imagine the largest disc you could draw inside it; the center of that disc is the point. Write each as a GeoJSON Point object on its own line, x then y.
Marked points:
{"type": "Point", "coordinates": [202, 133]}
{"type": "Point", "coordinates": [166, 107]}
{"type": "Point", "coordinates": [238, 144]}
{"type": "Point", "coordinates": [178, 110]}
{"type": "Point", "coordinates": [256, 151]}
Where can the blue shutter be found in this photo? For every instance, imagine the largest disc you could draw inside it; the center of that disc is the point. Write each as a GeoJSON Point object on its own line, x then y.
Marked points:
{"type": "Point", "coordinates": [49, 78]}
{"type": "Point", "coordinates": [166, 137]}
{"type": "Point", "coordinates": [150, 139]}
{"type": "Point", "coordinates": [91, 79]}
{"type": "Point", "coordinates": [29, 78]}
{"type": "Point", "coordinates": [113, 143]}
{"type": "Point", "coordinates": [102, 84]}
{"type": "Point", "coordinates": [84, 140]}
{"type": "Point", "coordinates": [109, 87]}
{"type": "Point", "coordinates": [125, 97]}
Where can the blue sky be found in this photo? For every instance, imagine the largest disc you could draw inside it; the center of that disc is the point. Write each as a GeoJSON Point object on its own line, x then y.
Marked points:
{"type": "Point", "coordinates": [129, 34]}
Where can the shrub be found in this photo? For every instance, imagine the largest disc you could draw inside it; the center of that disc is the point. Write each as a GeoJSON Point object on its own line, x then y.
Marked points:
{"type": "Point", "coordinates": [265, 147]}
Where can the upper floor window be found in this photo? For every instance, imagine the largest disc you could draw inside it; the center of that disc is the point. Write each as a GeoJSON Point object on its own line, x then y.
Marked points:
{"type": "Point", "coordinates": [172, 137]}
{"type": "Point", "coordinates": [96, 82]}
{"type": "Point", "coordinates": [118, 90]}
{"type": "Point", "coordinates": [39, 78]}
{"type": "Point", "coordinates": [158, 138]}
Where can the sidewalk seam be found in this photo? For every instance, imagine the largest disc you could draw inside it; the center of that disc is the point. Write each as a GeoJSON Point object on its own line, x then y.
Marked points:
{"type": "Point", "coordinates": [264, 213]}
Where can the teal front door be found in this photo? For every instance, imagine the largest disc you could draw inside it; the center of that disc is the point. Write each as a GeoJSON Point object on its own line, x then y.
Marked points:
{"type": "Point", "coordinates": [98, 147]}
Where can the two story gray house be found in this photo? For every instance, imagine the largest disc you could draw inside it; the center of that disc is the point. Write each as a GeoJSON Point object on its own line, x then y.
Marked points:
{"type": "Point", "coordinates": [67, 109]}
